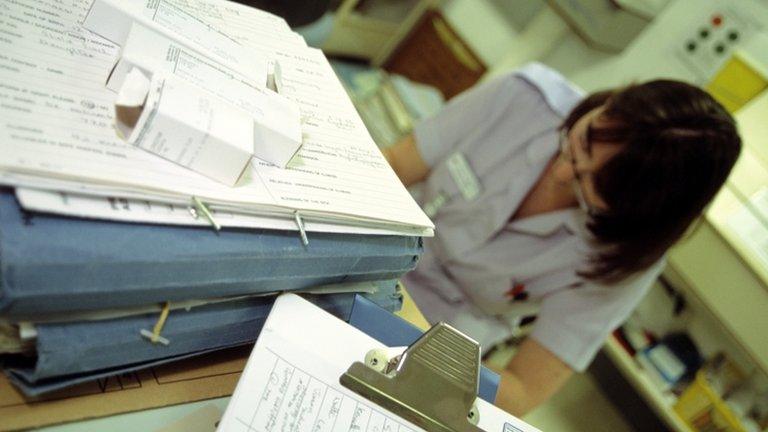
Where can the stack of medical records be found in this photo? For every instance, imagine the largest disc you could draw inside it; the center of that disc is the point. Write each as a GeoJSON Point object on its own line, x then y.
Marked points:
{"type": "Point", "coordinates": [113, 259]}
{"type": "Point", "coordinates": [58, 129]}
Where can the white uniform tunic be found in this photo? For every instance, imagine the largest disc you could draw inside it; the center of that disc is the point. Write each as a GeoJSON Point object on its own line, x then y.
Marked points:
{"type": "Point", "coordinates": [506, 130]}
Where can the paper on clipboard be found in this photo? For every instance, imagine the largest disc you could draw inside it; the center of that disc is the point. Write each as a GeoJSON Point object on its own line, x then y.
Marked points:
{"type": "Point", "coordinates": [291, 380]}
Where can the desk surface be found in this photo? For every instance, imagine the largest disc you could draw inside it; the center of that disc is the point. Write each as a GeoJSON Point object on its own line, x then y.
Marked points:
{"type": "Point", "coordinates": [153, 419]}
{"type": "Point", "coordinates": [411, 313]}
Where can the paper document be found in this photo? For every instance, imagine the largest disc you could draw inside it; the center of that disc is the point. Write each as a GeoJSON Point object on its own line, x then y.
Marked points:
{"type": "Point", "coordinates": [113, 313]}
{"type": "Point", "coordinates": [56, 126]}
{"type": "Point", "coordinates": [291, 381]}
{"type": "Point", "coordinates": [148, 211]}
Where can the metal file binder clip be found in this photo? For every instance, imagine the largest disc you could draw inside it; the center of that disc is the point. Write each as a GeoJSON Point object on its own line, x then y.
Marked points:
{"type": "Point", "coordinates": [433, 384]}
{"type": "Point", "coordinates": [154, 335]}
{"type": "Point", "coordinates": [302, 231]}
{"type": "Point", "coordinates": [199, 207]}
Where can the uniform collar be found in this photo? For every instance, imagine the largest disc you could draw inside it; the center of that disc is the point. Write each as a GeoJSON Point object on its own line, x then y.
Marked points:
{"type": "Point", "coordinates": [546, 224]}
{"type": "Point", "coordinates": [560, 94]}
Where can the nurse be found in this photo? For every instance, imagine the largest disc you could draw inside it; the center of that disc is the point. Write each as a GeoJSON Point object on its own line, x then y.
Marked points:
{"type": "Point", "coordinates": [551, 205]}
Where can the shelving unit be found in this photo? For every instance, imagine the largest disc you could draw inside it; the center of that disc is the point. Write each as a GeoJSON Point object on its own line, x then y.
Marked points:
{"type": "Point", "coordinates": [661, 402]}
{"type": "Point", "coordinates": [707, 269]}
{"type": "Point", "coordinates": [372, 30]}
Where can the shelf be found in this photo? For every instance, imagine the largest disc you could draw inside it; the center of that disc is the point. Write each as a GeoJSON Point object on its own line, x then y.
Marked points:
{"type": "Point", "coordinates": [705, 266]}
{"type": "Point", "coordinates": [661, 402]}
{"type": "Point", "coordinates": [373, 35]}
{"type": "Point", "coordinates": [735, 213]}
{"type": "Point", "coordinates": [357, 36]}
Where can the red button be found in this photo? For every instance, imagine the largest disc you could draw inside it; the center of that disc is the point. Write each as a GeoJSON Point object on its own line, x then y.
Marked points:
{"type": "Point", "coordinates": [717, 20]}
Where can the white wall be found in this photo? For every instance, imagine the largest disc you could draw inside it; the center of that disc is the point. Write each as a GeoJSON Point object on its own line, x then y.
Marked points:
{"type": "Point", "coordinates": [479, 24]}
{"type": "Point", "coordinates": [546, 38]}
{"type": "Point", "coordinates": [658, 51]}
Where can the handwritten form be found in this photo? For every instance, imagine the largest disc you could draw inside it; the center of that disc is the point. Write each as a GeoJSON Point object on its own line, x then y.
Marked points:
{"type": "Point", "coordinates": [56, 123]}
{"type": "Point", "coordinates": [291, 380]}
{"type": "Point", "coordinates": [293, 396]}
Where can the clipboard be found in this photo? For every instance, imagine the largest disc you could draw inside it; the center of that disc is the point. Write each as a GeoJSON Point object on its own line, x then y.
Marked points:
{"type": "Point", "coordinates": [433, 383]}
{"type": "Point", "coordinates": [292, 380]}
{"type": "Point", "coordinates": [393, 331]}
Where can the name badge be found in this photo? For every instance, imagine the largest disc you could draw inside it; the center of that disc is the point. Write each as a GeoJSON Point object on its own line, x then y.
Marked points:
{"type": "Point", "coordinates": [431, 208]}
{"type": "Point", "coordinates": [463, 176]}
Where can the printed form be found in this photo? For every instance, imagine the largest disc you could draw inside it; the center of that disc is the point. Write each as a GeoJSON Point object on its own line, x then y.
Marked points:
{"type": "Point", "coordinates": [291, 380]}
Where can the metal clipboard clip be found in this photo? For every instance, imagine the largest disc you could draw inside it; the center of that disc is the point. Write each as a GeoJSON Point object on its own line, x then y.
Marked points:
{"type": "Point", "coordinates": [432, 384]}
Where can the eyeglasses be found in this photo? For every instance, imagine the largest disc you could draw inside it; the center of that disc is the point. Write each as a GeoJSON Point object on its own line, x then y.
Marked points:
{"type": "Point", "coordinates": [578, 188]}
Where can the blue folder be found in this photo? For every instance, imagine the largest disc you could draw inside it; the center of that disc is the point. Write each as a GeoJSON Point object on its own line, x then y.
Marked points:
{"type": "Point", "coordinates": [363, 312]}
{"type": "Point", "coordinates": [72, 353]}
{"type": "Point", "coordinates": [52, 264]}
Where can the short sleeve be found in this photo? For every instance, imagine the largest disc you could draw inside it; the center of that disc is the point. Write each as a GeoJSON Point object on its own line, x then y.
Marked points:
{"type": "Point", "coordinates": [437, 136]}
{"type": "Point", "coordinates": [574, 323]}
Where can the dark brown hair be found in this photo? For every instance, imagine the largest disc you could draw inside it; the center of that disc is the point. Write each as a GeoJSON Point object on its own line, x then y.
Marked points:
{"type": "Point", "coordinates": [678, 147]}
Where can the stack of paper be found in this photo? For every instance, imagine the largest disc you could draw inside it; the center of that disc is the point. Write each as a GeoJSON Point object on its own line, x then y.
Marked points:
{"type": "Point", "coordinates": [57, 132]}
{"type": "Point", "coordinates": [53, 265]}
{"type": "Point", "coordinates": [70, 353]}
{"type": "Point", "coordinates": [87, 292]}
{"type": "Point", "coordinates": [91, 291]}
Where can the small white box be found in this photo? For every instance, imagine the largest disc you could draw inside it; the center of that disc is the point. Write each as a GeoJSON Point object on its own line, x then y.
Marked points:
{"type": "Point", "coordinates": [112, 20]}
{"type": "Point", "coordinates": [145, 50]}
{"type": "Point", "coordinates": [187, 125]}
{"type": "Point", "coordinates": [277, 133]}
{"type": "Point", "coordinates": [115, 20]}
{"type": "Point", "coordinates": [277, 120]}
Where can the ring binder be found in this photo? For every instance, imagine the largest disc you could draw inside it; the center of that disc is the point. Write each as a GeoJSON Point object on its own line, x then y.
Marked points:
{"type": "Point", "coordinates": [154, 335]}
{"type": "Point", "coordinates": [302, 231]}
{"type": "Point", "coordinates": [199, 207]}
